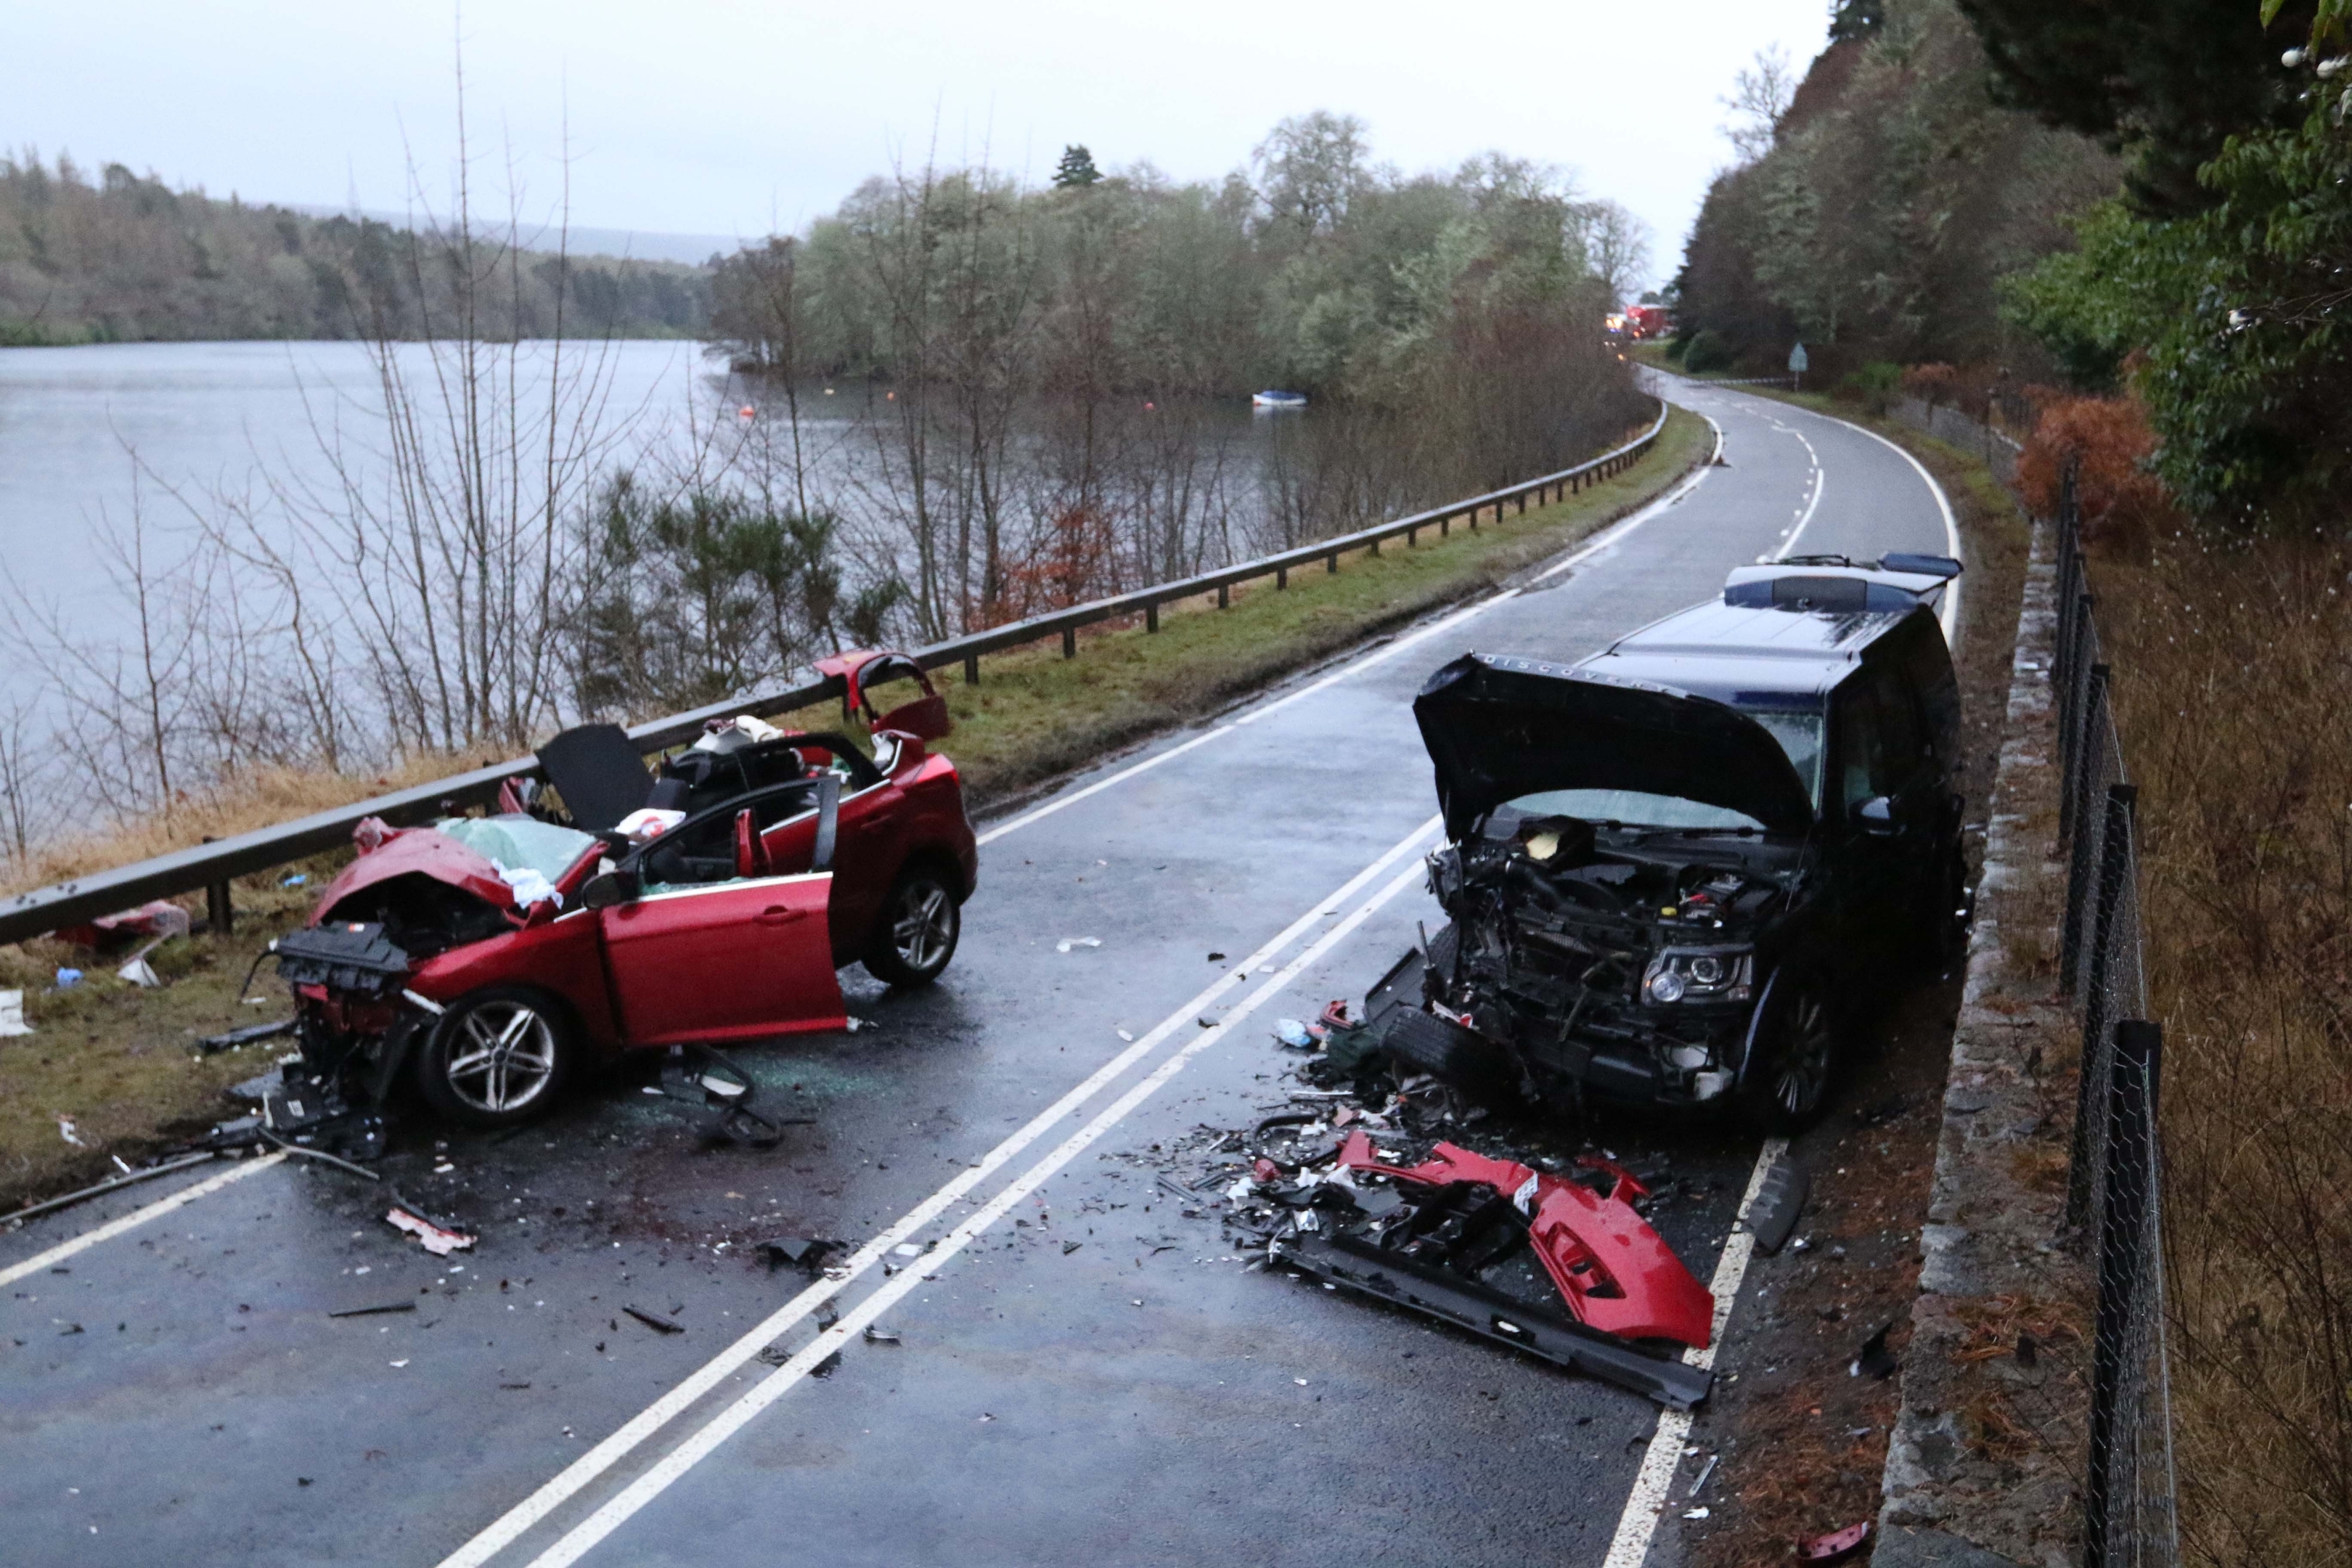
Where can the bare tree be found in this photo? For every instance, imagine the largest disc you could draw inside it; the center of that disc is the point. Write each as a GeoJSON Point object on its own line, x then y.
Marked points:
{"type": "Point", "coordinates": [1760, 97]}
{"type": "Point", "coordinates": [1616, 248]}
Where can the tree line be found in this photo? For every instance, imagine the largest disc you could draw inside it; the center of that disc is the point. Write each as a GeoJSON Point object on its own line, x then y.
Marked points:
{"type": "Point", "coordinates": [126, 259]}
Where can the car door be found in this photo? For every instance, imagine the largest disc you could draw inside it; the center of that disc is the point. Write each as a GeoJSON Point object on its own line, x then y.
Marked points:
{"type": "Point", "coordinates": [702, 953]}
{"type": "Point", "coordinates": [867, 857]}
{"type": "Point", "coordinates": [1867, 858]}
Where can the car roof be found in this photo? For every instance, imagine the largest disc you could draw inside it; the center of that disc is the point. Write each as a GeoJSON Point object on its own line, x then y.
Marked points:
{"type": "Point", "coordinates": [1746, 656]}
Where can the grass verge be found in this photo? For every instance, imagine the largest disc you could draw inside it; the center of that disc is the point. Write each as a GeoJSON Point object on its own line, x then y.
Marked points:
{"type": "Point", "coordinates": [114, 1060]}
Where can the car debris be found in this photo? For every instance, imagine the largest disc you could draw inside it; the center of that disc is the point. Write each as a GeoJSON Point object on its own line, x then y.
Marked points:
{"type": "Point", "coordinates": [66, 979]}
{"type": "Point", "coordinates": [699, 1074]}
{"type": "Point", "coordinates": [1780, 1201]}
{"type": "Point", "coordinates": [1875, 1358]}
{"type": "Point", "coordinates": [1836, 1546]}
{"type": "Point", "coordinates": [804, 1253]}
{"type": "Point", "coordinates": [878, 1335]}
{"type": "Point", "coordinates": [158, 920]}
{"type": "Point", "coordinates": [1670, 868]}
{"type": "Point", "coordinates": [435, 1240]}
{"type": "Point", "coordinates": [655, 1321]}
{"type": "Point", "coordinates": [1068, 942]}
{"type": "Point", "coordinates": [1705, 1472]}
{"type": "Point", "coordinates": [374, 1311]}
{"type": "Point", "coordinates": [11, 1014]}
{"type": "Point", "coordinates": [250, 1035]}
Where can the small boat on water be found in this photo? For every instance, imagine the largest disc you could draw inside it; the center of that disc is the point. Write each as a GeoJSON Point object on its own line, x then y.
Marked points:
{"type": "Point", "coordinates": [1278, 400]}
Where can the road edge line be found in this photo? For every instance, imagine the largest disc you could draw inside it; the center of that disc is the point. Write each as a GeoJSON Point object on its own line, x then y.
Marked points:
{"type": "Point", "coordinates": [137, 1218]}
{"type": "Point", "coordinates": [1646, 1504]}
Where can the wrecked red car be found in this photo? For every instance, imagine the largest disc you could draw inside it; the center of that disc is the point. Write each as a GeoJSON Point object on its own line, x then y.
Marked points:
{"type": "Point", "coordinates": [488, 961]}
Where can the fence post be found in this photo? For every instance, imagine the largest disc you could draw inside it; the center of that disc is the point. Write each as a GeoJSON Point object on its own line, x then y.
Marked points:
{"type": "Point", "coordinates": [2114, 866]}
{"type": "Point", "coordinates": [2123, 1237]}
{"type": "Point", "coordinates": [1069, 642]}
{"type": "Point", "coordinates": [2073, 790]}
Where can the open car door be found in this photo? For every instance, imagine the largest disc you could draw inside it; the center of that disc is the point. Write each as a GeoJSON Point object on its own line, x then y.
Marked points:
{"type": "Point", "coordinates": [703, 941]}
{"type": "Point", "coordinates": [925, 717]}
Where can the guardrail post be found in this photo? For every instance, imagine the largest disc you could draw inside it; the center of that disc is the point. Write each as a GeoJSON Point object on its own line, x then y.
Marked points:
{"type": "Point", "coordinates": [1281, 578]}
{"type": "Point", "coordinates": [2115, 864]}
{"type": "Point", "coordinates": [220, 911]}
{"type": "Point", "coordinates": [971, 670]}
{"type": "Point", "coordinates": [2137, 1066]}
{"type": "Point", "coordinates": [1224, 596]}
{"type": "Point", "coordinates": [1069, 642]}
{"type": "Point", "coordinates": [1523, 503]}
{"type": "Point", "coordinates": [1331, 564]}
{"type": "Point", "coordinates": [1375, 547]}
{"type": "Point", "coordinates": [1444, 527]}
{"type": "Point", "coordinates": [1151, 617]}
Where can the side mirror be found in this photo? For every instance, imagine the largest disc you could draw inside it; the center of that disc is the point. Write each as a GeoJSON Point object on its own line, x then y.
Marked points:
{"type": "Point", "coordinates": [615, 887]}
{"type": "Point", "coordinates": [1876, 816]}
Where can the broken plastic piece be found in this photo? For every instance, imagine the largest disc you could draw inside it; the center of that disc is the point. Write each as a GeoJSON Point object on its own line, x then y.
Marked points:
{"type": "Point", "coordinates": [1068, 943]}
{"type": "Point", "coordinates": [66, 1131]}
{"type": "Point", "coordinates": [11, 1014]}
{"type": "Point", "coordinates": [1616, 1273]}
{"type": "Point", "coordinates": [374, 1311]}
{"type": "Point", "coordinates": [655, 1321]}
{"type": "Point", "coordinates": [140, 973]}
{"type": "Point", "coordinates": [806, 1253]}
{"type": "Point", "coordinates": [1294, 1034]}
{"type": "Point", "coordinates": [1780, 1201]}
{"type": "Point", "coordinates": [1835, 1546]}
{"type": "Point", "coordinates": [878, 1335]}
{"type": "Point", "coordinates": [68, 979]}
{"type": "Point", "coordinates": [232, 1038]}
{"type": "Point", "coordinates": [440, 1243]}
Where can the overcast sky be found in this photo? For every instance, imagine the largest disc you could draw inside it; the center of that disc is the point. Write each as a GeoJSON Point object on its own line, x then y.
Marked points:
{"type": "Point", "coordinates": [703, 117]}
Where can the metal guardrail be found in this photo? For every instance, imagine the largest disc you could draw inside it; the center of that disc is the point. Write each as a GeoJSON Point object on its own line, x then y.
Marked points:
{"type": "Point", "coordinates": [211, 865]}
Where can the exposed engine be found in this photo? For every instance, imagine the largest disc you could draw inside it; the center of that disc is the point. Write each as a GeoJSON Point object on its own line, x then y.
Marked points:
{"type": "Point", "coordinates": [1575, 954]}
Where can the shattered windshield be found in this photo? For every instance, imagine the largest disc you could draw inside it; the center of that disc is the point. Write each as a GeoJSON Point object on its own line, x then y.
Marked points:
{"type": "Point", "coordinates": [530, 855]}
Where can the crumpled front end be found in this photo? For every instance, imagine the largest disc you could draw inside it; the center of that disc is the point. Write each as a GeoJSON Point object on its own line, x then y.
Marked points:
{"type": "Point", "coordinates": [1629, 971]}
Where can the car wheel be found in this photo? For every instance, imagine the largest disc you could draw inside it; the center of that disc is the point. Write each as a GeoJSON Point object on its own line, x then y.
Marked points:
{"type": "Point", "coordinates": [917, 936]}
{"type": "Point", "coordinates": [1419, 1042]}
{"type": "Point", "coordinates": [1788, 1082]}
{"type": "Point", "coordinates": [497, 1057]}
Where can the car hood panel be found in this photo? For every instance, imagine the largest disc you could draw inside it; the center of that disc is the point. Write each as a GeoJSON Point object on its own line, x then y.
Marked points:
{"type": "Point", "coordinates": [1498, 728]}
{"type": "Point", "coordinates": [417, 851]}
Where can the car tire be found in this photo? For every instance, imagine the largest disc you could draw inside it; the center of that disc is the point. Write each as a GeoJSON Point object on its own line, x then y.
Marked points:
{"type": "Point", "coordinates": [1419, 1042]}
{"type": "Point", "coordinates": [497, 1057]}
{"type": "Point", "coordinates": [1787, 1084]}
{"type": "Point", "coordinates": [921, 922]}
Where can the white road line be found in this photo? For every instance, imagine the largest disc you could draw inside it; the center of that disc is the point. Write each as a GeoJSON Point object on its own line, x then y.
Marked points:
{"type": "Point", "coordinates": [136, 1218]}
{"type": "Point", "coordinates": [1950, 613]}
{"type": "Point", "coordinates": [583, 1536]}
{"type": "Point", "coordinates": [1820, 483]}
{"type": "Point", "coordinates": [673, 1403]}
{"type": "Point", "coordinates": [1370, 660]}
{"type": "Point", "coordinates": [1638, 1522]}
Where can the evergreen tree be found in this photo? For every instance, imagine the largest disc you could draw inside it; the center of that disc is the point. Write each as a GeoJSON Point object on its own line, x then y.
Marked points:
{"type": "Point", "coordinates": [1077, 169]}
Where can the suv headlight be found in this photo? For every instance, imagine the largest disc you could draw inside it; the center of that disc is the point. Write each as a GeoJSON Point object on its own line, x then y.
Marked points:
{"type": "Point", "coordinates": [1699, 975]}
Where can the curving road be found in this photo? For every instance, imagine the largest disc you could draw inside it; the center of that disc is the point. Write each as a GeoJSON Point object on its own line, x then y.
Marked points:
{"type": "Point", "coordinates": [175, 1389]}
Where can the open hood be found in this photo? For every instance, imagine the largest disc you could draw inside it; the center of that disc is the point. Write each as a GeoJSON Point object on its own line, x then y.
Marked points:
{"type": "Point", "coordinates": [1498, 728]}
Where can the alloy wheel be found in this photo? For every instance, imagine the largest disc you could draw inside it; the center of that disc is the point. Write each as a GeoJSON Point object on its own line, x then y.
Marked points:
{"type": "Point", "coordinates": [922, 925]}
{"type": "Point", "coordinates": [1808, 1047]}
{"type": "Point", "coordinates": [503, 1058]}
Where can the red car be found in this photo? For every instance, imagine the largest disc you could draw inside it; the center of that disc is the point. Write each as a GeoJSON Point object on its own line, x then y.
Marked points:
{"type": "Point", "coordinates": [492, 959]}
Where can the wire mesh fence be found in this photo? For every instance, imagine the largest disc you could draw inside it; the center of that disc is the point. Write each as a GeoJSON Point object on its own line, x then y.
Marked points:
{"type": "Point", "coordinates": [2115, 1188]}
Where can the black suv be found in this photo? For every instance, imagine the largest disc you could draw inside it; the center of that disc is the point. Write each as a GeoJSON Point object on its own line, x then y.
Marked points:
{"type": "Point", "coordinates": [1676, 870]}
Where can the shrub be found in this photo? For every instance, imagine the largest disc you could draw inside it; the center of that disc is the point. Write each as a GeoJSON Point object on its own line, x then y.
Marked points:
{"type": "Point", "coordinates": [1708, 350]}
{"type": "Point", "coordinates": [1873, 384]}
{"type": "Point", "coordinates": [2108, 440]}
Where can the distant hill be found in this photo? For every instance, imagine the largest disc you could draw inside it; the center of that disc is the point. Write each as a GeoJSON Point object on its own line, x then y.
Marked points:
{"type": "Point", "coordinates": [632, 244]}
{"type": "Point", "coordinates": [127, 259]}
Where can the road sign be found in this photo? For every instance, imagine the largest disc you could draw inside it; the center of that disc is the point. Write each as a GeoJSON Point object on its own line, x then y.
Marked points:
{"type": "Point", "coordinates": [1797, 365]}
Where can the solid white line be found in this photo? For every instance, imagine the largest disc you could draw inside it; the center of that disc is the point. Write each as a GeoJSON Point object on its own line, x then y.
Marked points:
{"type": "Point", "coordinates": [675, 1402]}
{"type": "Point", "coordinates": [1638, 1522]}
{"type": "Point", "coordinates": [1370, 660]}
{"type": "Point", "coordinates": [136, 1218]}
{"type": "Point", "coordinates": [583, 1536]}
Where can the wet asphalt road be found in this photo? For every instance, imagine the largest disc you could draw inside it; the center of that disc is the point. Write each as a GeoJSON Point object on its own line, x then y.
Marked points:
{"type": "Point", "coordinates": [177, 1391]}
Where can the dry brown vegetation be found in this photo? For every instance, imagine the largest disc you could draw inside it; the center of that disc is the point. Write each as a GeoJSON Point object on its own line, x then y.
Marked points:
{"type": "Point", "coordinates": [2233, 660]}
